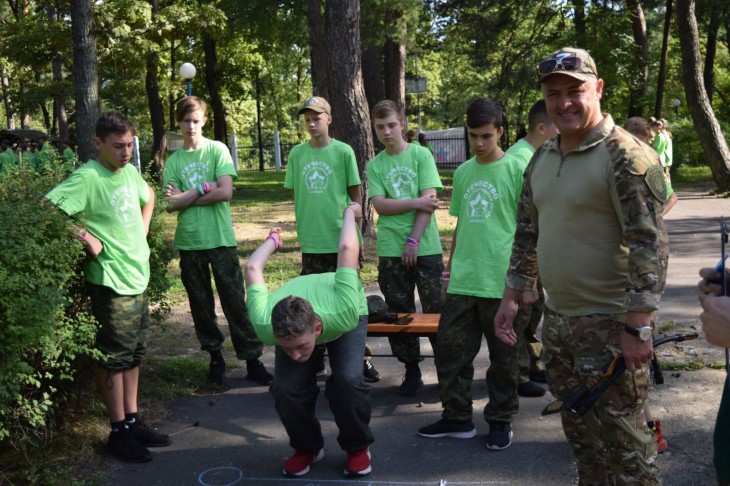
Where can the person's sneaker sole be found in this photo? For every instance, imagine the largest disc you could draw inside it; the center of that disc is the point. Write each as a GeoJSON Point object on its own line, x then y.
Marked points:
{"type": "Point", "coordinates": [304, 471]}
{"type": "Point", "coordinates": [456, 435]}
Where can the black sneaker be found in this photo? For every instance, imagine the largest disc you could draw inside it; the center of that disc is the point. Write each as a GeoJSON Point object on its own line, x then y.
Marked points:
{"type": "Point", "coordinates": [125, 447]}
{"type": "Point", "coordinates": [500, 436]}
{"type": "Point", "coordinates": [257, 372]}
{"type": "Point", "coordinates": [369, 373]}
{"type": "Point", "coordinates": [147, 436]}
{"type": "Point", "coordinates": [446, 428]}
{"type": "Point", "coordinates": [217, 372]}
{"type": "Point", "coordinates": [530, 389]}
{"type": "Point", "coordinates": [412, 381]}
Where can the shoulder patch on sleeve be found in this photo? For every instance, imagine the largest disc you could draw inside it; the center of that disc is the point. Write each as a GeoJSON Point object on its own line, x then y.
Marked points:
{"type": "Point", "coordinates": [654, 178]}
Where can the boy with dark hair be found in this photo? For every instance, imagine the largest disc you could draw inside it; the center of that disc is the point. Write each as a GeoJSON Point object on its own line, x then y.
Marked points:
{"type": "Point", "coordinates": [320, 309]}
{"type": "Point", "coordinates": [539, 130]}
{"type": "Point", "coordinates": [198, 185]}
{"type": "Point", "coordinates": [485, 194]}
{"type": "Point", "coordinates": [112, 207]}
{"type": "Point", "coordinates": [403, 181]}
{"type": "Point", "coordinates": [324, 177]}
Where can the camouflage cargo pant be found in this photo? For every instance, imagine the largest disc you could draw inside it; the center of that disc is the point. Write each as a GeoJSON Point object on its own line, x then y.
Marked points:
{"type": "Point", "coordinates": [313, 263]}
{"type": "Point", "coordinates": [398, 284]}
{"type": "Point", "coordinates": [528, 346]}
{"type": "Point", "coordinates": [611, 444]}
{"type": "Point", "coordinates": [195, 269]}
{"type": "Point", "coordinates": [463, 322]}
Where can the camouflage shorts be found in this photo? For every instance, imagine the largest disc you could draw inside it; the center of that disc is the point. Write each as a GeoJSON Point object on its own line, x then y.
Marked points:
{"type": "Point", "coordinates": [124, 322]}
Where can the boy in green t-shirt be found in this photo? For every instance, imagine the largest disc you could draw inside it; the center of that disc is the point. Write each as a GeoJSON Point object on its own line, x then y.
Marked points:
{"type": "Point", "coordinates": [321, 309]}
{"type": "Point", "coordinates": [403, 181]}
{"type": "Point", "coordinates": [324, 177]}
{"type": "Point", "coordinates": [198, 185]}
{"type": "Point", "coordinates": [112, 208]}
{"type": "Point", "coordinates": [539, 129]}
{"type": "Point", "coordinates": [486, 190]}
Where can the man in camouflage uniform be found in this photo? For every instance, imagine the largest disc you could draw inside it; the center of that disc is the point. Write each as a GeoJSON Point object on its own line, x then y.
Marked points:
{"type": "Point", "coordinates": [590, 220]}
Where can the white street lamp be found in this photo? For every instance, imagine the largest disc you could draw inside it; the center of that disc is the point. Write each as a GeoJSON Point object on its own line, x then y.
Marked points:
{"type": "Point", "coordinates": [187, 72]}
{"type": "Point", "coordinates": [676, 103]}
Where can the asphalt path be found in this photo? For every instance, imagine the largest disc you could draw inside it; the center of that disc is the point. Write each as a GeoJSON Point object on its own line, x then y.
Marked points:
{"type": "Point", "coordinates": [236, 438]}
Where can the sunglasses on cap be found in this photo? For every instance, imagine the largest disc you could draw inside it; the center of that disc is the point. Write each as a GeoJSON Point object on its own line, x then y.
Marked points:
{"type": "Point", "coordinates": [548, 66]}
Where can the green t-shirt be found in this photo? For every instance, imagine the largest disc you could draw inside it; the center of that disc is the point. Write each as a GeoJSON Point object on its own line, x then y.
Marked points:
{"type": "Point", "coordinates": [667, 161]}
{"type": "Point", "coordinates": [522, 149]}
{"type": "Point", "coordinates": [109, 206]}
{"type": "Point", "coordinates": [660, 145]}
{"type": "Point", "coordinates": [207, 226]}
{"type": "Point", "coordinates": [320, 179]}
{"type": "Point", "coordinates": [337, 298]}
{"type": "Point", "coordinates": [485, 198]}
{"type": "Point", "coordinates": [403, 176]}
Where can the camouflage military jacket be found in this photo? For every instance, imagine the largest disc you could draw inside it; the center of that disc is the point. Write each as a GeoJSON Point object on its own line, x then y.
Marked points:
{"type": "Point", "coordinates": [591, 222]}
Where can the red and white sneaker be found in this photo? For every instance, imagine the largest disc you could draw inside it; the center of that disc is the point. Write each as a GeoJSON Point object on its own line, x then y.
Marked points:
{"type": "Point", "coordinates": [358, 463]}
{"type": "Point", "coordinates": [298, 464]}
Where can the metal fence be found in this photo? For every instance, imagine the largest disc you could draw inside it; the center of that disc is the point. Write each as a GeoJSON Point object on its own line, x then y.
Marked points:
{"type": "Point", "coordinates": [251, 156]}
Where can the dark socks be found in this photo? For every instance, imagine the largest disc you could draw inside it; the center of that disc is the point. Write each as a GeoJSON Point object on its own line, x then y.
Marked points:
{"type": "Point", "coordinates": [117, 426]}
{"type": "Point", "coordinates": [216, 357]}
{"type": "Point", "coordinates": [130, 418]}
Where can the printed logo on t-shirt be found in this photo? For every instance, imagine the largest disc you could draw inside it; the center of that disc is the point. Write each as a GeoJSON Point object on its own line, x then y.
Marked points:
{"type": "Point", "coordinates": [316, 176]}
{"type": "Point", "coordinates": [402, 181]}
{"type": "Point", "coordinates": [194, 174]}
{"type": "Point", "coordinates": [480, 199]}
{"type": "Point", "coordinates": [124, 201]}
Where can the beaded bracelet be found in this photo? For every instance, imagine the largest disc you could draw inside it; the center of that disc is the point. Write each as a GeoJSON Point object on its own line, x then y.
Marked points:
{"type": "Point", "coordinates": [412, 241]}
{"type": "Point", "coordinates": [206, 187]}
{"type": "Point", "coordinates": [201, 191]}
{"type": "Point", "coordinates": [445, 276]}
{"type": "Point", "coordinates": [82, 235]}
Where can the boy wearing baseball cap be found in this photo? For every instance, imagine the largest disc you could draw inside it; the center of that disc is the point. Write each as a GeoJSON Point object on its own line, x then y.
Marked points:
{"type": "Point", "coordinates": [324, 176]}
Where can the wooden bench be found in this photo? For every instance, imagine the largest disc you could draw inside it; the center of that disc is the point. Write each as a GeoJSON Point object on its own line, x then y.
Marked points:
{"type": "Point", "coordinates": [421, 325]}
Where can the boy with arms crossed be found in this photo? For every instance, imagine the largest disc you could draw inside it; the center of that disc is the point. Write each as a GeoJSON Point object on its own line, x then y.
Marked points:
{"type": "Point", "coordinates": [403, 181]}
{"type": "Point", "coordinates": [321, 309]}
{"type": "Point", "coordinates": [113, 206]}
{"type": "Point", "coordinates": [486, 190]}
{"type": "Point", "coordinates": [198, 183]}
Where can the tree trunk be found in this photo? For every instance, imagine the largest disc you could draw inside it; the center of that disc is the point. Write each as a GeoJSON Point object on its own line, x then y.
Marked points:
{"type": "Point", "coordinates": [372, 73]}
{"type": "Point", "coordinates": [638, 83]}
{"type": "Point", "coordinates": [318, 52]}
{"type": "Point", "coordinates": [157, 116]}
{"type": "Point", "coordinates": [220, 130]}
{"type": "Point", "coordinates": [711, 48]}
{"type": "Point", "coordinates": [9, 118]}
{"type": "Point", "coordinates": [59, 109]}
{"type": "Point", "coordinates": [579, 22]}
{"type": "Point", "coordinates": [173, 79]}
{"type": "Point", "coordinates": [663, 61]}
{"type": "Point", "coordinates": [706, 126]}
{"type": "Point", "coordinates": [395, 72]}
{"type": "Point", "coordinates": [86, 81]}
{"type": "Point", "coordinates": [348, 101]}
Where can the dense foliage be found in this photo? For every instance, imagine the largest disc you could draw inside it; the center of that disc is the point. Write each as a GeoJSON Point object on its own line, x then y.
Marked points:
{"type": "Point", "coordinates": [46, 351]}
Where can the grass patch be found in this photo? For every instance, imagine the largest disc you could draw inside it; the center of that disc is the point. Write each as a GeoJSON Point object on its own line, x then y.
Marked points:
{"type": "Point", "coordinates": [665, 327]}
{"type": "Point", "coordinates": [681, 365]}
{"type": "Point", "coordinates": [717, 365]}
{"type": "Point", "coordinates": [691, 174]}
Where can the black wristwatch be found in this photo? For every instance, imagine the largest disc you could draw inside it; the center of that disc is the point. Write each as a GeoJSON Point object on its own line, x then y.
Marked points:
{"type": "Point", "coordinates": [644, 333]}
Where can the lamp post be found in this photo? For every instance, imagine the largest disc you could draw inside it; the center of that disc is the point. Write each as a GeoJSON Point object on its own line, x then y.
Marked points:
{"type": "Point", "coordinates": [676, 104]}
{"type": "Point", "coordinates": [187, 72]}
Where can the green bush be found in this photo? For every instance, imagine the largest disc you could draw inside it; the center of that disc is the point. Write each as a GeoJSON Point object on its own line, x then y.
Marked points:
{"type": "Point", "coordinates": [686, 147]}
{"type": "Point", "coordinates": [48, 330]}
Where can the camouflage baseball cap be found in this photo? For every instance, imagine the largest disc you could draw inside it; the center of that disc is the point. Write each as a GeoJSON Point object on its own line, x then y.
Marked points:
{"type": "Point", "coordinates": [316, 103]}
{"type": "Point", "coordinates": [573, 62]}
